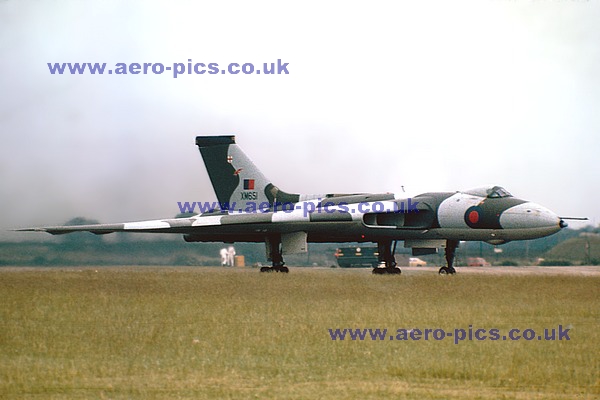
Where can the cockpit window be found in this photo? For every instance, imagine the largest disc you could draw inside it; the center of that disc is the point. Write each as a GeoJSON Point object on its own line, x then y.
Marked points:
{"type": "Point", "coordinates": [497, 192]}
{"type": "Point", "coordinates": [494, 192]}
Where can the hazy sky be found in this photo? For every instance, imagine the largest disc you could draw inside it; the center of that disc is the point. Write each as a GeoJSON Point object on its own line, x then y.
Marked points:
{"type": "Point", "coordinates": [435, 96]}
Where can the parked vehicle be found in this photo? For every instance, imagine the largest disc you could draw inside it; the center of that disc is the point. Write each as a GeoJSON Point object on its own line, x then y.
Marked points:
{"type": "Point", "coordinates": [477, 262]}
{"type": "Point", "coordinates": [357, 257]}
{"type": "Point", "coordinates": [416, 262]}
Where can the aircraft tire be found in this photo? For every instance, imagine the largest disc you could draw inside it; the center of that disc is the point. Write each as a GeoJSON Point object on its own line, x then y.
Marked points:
{"type": "Point", "coordinates": [387, 271]}
{"type": "Point", "coordinates": [447, 271]}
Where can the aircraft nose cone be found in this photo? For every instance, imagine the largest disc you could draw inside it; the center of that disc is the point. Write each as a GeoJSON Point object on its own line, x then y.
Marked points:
{"type": "Point", "coordinates": [530, 215]}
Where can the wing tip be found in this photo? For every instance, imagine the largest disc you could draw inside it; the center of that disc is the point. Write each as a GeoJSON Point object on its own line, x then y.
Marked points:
{"type": "Point", "coordinates": [28, 230]}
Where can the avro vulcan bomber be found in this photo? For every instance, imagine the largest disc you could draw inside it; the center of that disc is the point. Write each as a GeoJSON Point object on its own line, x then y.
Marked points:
{"type": "Point", "coordinates": [251, 208]}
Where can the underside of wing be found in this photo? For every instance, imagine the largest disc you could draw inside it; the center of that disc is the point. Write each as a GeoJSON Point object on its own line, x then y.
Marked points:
{"type": "Point", "coordinates": [177, 225]}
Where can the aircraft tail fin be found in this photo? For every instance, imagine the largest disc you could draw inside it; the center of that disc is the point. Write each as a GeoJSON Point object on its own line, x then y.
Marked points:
{"type": "Point", "coordinates": [234, 176]}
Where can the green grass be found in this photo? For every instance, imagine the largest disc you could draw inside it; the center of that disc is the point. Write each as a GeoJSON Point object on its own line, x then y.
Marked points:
{"type": "Point", "coordinates": [220, 333]}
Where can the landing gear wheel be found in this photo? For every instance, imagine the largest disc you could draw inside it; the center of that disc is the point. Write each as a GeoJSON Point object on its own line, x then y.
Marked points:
{"type": "Point", "coordinates": [275, 269]}
{"type": "Point", "coordinates": [386, 249]}
{"type": "Point", "coordinates": [451, 246]}
{"type": "Point", "coordinates": [447, 271]}
{"type": "Point", "coordinates": [386, 271]}
{"type": "Point", "coordinates": [273, 247]}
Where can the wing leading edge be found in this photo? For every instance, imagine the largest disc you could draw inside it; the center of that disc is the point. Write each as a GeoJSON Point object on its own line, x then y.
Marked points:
{"type": "Point", "coordinates": [177, 225]}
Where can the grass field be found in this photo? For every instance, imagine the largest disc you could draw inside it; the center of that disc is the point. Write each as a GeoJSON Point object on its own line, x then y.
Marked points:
{"type": "Point", "coordinates": [219, 333]}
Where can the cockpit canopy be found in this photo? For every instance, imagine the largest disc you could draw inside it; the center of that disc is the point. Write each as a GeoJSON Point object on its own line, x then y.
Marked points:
{"type": "Point", "coordinates": [491, 192]}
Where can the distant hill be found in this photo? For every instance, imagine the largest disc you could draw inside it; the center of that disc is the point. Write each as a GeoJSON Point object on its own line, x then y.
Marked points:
{"type": "Point", "coordinates": [522, 251]}
{"type": "Point", "coordinates": [583, 249]}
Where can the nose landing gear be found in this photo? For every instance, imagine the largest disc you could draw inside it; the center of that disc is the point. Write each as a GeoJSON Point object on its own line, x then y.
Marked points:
{"type": "Point", "coordinates": [450, 251]}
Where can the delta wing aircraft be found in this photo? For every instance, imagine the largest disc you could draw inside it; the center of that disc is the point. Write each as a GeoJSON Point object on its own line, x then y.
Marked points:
{"type": "Point", "coordinates": [253, 209]}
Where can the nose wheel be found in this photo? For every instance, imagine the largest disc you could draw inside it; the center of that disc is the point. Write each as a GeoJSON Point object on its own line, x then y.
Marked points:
{"type": "Point", "coordinates": [447, 271]}
{"type": "Point", "coordinates": [450, 252]}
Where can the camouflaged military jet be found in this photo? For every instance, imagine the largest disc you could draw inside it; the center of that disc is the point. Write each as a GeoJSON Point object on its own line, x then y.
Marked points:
{"type": "Point", "coordinates": [252, 209]}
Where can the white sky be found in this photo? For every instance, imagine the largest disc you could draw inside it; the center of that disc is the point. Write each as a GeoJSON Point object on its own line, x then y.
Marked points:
{"type": "Point", "coordinates": [435, 96]}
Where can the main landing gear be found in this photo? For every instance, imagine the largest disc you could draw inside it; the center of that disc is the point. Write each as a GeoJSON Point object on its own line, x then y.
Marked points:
{"type": "Point", "coordinates": [450, 251]}
{"type": "Point", "coordinates": [386, 255]}
{"type": "Point", "coordinates": [273, 245]}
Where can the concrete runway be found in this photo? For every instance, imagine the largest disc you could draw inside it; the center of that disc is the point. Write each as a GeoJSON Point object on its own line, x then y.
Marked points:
{"type": "Point", "coordinates": [525, 270]}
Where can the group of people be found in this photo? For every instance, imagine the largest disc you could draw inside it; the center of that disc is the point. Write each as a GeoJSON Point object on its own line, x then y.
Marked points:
{"type": "Point", "coordinates": [228, 256]}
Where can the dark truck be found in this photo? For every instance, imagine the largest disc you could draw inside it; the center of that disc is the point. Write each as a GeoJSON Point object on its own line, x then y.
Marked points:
{"type": "Point", "coordinates": [357, 257]}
